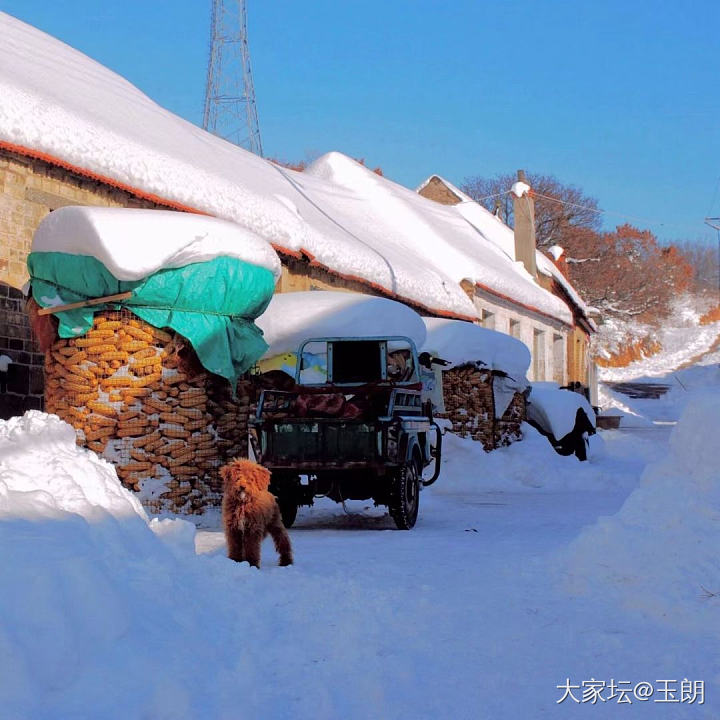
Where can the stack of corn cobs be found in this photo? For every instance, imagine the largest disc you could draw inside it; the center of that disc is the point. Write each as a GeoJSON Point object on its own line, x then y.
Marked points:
{"type": "Point", "coordinates": [123, 387]}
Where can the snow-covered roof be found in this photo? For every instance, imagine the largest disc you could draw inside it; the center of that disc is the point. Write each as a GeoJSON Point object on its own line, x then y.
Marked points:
{"type": "Point", "coordinates": [292, 318]}
{"type": "Point", "coordinates": [461, 342]}
{"type": "Point", "coordinates": [405, 224]}
{"type": "Point", "coordinates": [501, 235]}
{"type": "Point", "coordinates": [134, 243]}
{"type": "Point", "coordinates": [60, 105]}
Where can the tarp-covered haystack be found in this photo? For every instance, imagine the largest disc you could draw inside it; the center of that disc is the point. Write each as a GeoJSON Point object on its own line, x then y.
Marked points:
{"type": "Point", "coordinates": [484, 384]}
{"type": "Point", "coordinates": [154, 380]}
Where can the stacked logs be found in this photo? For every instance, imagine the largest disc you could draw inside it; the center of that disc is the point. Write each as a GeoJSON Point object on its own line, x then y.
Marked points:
{"type": "Point", "coordinates": [470, 407]}
{"type": "Point", "coordinates": [507, 428]}
{"type": "Point", "coordinates": [135, 400]}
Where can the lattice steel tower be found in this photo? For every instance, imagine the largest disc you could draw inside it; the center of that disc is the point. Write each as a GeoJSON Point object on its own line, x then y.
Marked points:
{"type": "Point", "coordinates": [230, 110]}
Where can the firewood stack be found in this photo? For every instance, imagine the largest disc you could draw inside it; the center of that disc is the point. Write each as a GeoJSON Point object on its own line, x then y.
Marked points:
{"type": "Point", "coordinates": [470, 406]}
{"type": "Point", "coordinates": [135, 399]}
{"type": "Point", "coordinates": [507, 428]}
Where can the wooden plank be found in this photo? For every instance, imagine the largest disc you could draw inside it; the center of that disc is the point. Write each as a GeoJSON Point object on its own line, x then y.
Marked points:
{"type": "Point", "coordinates": [85, 303]}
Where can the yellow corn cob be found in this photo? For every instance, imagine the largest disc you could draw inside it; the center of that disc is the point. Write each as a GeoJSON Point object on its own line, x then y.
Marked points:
{"type": "Point", "coordinates": [88, 342]}
{"type": "Point", "coordinates": [131, 431]}
{"type": "Point", "coordinates": [175, 433]}
{"type": "Point", "coordinates": [100, 349]}
{"type": "Point", "coordinates": [118, 383]}
{"type": "Point", "coordinates": [175, 379]}
{"type": "Point", "coordinates": [138, 334]}
{"type": "Point", "coordinates": [76, 359]}
{"type": "Point", "coordinates": [103, 332]}
{"type": "Point", "coordinates": [77, 387]}
{"type": "Point", "coordinates": [146, 352]}
{"type": "Point", "coordinates": [186, 470]}
{"type": "Point", "coordinates": [173, 418]}
{"type": "Point", "coordinates": [132, 346]}
{"type": "Point", "coordinates": [128, 415]}
{"type": "Point", "coordinates": [145, 441]}
{"type": "Point", "coordinates": [102, 408]}
{"type": "Point", "coordinates": [115, 355]}
{"type": "Point", "coordinates": [193, 401]}
{"type": "Point", "coordinates": [101, 432]}
{"type": "Point", "coordinates": [81, 371]}
{"type": "Point", "coordinates": [161, 335]}
{"type": "Point", "coordinates": [102, 420]}
{"type": "Point", "coordinates": [147, 380]}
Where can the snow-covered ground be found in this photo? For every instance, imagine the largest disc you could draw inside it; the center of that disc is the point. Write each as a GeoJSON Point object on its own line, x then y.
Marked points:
{"type": "Point", "coordinates": [526, 572]}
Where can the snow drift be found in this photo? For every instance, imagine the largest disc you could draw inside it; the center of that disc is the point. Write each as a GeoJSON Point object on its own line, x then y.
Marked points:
{"type": "Point", "coordinates": [676, 508]}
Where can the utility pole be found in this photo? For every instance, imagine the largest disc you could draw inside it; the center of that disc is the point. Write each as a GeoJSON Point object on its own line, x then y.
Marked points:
{"type": "Point", "coordinates": [714, 222]}
{"type": "Point", "coordinates": [230, 110]}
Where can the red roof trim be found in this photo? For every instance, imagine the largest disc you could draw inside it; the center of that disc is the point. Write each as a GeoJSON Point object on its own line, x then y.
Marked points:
{"type": "Point", "coordinates": [20, 150]}
{"type": "Point", "coordinates": [523, 305]}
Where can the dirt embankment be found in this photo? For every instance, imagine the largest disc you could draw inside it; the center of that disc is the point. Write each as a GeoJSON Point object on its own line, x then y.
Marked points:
{"type": "Point", "coordinates": [630, 352]}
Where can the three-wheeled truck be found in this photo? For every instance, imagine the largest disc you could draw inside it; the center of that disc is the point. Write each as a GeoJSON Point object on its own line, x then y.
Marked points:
{"type": "Point", "coordinates": [353, 426]}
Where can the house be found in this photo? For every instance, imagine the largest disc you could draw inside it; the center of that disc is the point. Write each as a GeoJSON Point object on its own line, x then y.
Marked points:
{"type": "Point", "coordinates": [558, 341]}
{"type": "Point", "coordinates": [74, 132]}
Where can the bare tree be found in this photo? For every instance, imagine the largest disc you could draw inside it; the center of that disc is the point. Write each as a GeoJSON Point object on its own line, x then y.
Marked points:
{"type": "Point", "coordinates": [559, 209]}
{"type": "Point", "coordinates": [626, 273]}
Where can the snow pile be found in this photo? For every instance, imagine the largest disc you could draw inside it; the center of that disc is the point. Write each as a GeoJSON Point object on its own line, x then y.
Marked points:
{"type": "Point", "coordinates": [659, 553]}
{"type": "Point", "coordinates": [462, 342]}
{"type": "Point", "coordinates": [292, 318]}
{"type": "Point", "coordinates": [555, 410]}
{"type": "Point", "coordinates": [43, 474]}
{"type": "Point", "coordinates": [133, 243]}
{"type": "Point", "coordinates": [527, 466]}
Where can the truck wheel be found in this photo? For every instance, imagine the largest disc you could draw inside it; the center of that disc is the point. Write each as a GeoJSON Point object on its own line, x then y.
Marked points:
{"type": "Point", "coordinates": [288, 511]}
{"type": "Point", "coordinates": [405, 496]}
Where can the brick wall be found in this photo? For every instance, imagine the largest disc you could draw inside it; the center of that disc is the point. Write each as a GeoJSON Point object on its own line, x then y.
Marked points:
{"type": "Point", "coordinates": [21, 388]}
{"type": "Point", "coordinates": [438, 191]}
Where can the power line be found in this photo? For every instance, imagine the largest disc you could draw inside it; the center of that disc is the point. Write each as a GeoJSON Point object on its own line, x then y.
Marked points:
{"type": "Point", "coordinates": [611, 212]}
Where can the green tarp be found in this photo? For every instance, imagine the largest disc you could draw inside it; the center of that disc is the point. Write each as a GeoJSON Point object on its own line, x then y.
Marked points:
{"type": "Point", "coordinates": [212, 304]}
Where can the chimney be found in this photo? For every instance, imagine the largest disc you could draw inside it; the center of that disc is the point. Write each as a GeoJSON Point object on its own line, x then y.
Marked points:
{"type": "Point", "coordinates": [524, 210]}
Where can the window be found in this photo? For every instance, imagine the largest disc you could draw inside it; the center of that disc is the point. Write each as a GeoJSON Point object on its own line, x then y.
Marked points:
{"type": "Point", "coordinates": [558, 359]}
{"type": "Point", "coordinates": [488, 319]}
{"type": "Point", "coordinates": [538, 355]}
{"type": "Point", "coordinates": [515, 328]}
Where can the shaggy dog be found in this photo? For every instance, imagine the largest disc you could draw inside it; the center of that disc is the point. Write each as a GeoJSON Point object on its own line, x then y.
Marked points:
{"type": "Point", "coordinates": [250, 512]}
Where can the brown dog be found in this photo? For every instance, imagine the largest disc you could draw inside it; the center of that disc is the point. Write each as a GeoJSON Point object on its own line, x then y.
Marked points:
{"type": "Point", "coordinates": [250, 512]}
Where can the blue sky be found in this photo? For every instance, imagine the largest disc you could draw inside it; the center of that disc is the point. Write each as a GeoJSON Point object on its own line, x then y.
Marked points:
{"type": "Point", "coordinates": [618, 98]}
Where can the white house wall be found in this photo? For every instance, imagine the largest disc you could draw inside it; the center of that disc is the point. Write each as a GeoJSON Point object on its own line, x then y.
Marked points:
{"type": "Point", "coordinates": [548, 364]}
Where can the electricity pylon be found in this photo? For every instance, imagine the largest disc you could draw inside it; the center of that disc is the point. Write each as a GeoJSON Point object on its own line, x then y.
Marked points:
{"type": "Point", "coordinates": [230, 110]}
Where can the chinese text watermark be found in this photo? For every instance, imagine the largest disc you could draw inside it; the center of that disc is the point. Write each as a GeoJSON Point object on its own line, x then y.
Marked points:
{"type": "Point", "coordinates": [594, 691]}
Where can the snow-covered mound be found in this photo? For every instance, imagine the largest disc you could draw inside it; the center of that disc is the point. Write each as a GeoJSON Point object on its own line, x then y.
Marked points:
{"type": "Point", "coordinates": [527, 466]}
{"type": "Point", "coordinates": [82, 577]}
{"type": "Point", "coordinates": [44, 474]}
{"type": "Point", "coordinates": [292, 318]}
{"type": "Point", "coordinates": [659, 553]}
{"type": "Point", "coordinates": [134, 243]}
{"type": "Point", "coordinates": [555, 410]}
{"type": "Point", "coordinates": [462, 342]}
